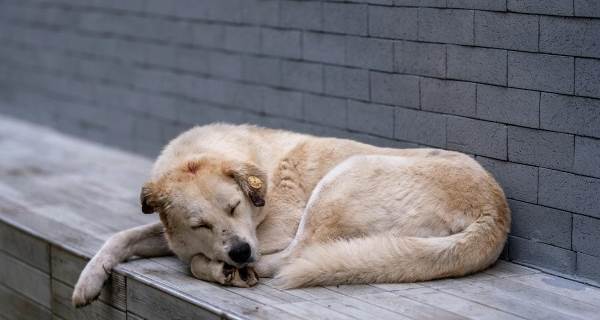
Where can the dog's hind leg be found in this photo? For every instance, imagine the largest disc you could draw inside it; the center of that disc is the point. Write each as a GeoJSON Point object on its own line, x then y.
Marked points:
{"type": "Point", "coordinates": [320, 222]}
{"type": "Point", "coordinates": [143, 241]}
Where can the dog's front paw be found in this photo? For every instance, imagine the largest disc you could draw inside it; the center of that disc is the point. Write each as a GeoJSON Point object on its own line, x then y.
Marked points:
{"type": "Point", "coordinates": [88, 286]}
{"type": "Point", "coordinates": [244, 278]}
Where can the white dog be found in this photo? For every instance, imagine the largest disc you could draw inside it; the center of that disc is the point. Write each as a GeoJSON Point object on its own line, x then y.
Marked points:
{"type": "Point", "coordinates": [238, 202]}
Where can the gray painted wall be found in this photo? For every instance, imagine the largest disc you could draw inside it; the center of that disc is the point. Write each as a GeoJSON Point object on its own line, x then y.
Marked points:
{"type": "Point", "coordinates": [516, 83]}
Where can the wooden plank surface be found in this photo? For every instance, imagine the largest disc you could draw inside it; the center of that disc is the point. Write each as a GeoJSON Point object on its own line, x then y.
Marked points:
{"type": "Point", "coordinates": [15, 306]}
{"type": "Point", "coordinates": [132, 316]}
{"type": "Point", "coordinates": [214, 298]}
{"type": "Point", "coordinates": [508, 301]}
{"type": "Point", "coordinates": [456, 305]}
{"type": "Point", "coordinates": [312, 310]}
{"type": "Point", "coordinates": [25, 279]}
{"type": "Point", "coordinates": [563, 287]}
{"type": "Point", "coordinates": [559, 303]}
{"type": "Point", "coordinates": [66, 268]}
{"type": "Point", "coordinates": [78, 194]}
{"type": "Point", "coordinates": [410, 308]}
{"type": "Point", "coordinates": [359, 309]}
{"type": "Point", "coordinates": [151, 303]}
{"type": "Point", "coordinates": [62, 307]}
{"type": "Point", "coordinates": [24, 247]}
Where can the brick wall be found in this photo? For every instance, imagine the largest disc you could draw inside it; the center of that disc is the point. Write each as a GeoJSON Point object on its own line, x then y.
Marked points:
{"type": "Point", "coordinates": [516, 83]}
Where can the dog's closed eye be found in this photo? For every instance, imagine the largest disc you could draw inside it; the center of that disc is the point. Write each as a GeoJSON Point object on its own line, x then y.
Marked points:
{"type": "Point", "coordinates": [233, 207]}
{"type": "Point", "coordinates": [201, 225]}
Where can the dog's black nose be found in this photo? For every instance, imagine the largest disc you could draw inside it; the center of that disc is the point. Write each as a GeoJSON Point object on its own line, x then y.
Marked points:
{"type": "Point", "coordinates": [240, 252]}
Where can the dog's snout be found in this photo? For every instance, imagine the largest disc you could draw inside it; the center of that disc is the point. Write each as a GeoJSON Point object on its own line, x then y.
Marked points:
{"type": "Point", "coordinates": [240, 252]}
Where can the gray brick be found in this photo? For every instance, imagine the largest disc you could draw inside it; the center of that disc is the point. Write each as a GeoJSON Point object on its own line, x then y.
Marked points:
{"type": "Point", "coordinates": [396, 89]}
{"type": "Point", "coordinates": [211, 90]}
{"type": "Point", "coordinates": [446, 25]}
{"type": "Point", "coordinates": [191, 9]}
{"type": "Point", "coordinates": [200, 113]}
{"type": "Point", "coordinates": [284, 103]}
{"type": "Point", "coordinates": [385, 2]}
{"type": "Point", "coordinates": [282, 43]}
{"type": "Point", "coordinates": [587, 267]}
{"type": "Point", "coordinates": [569, 192]}
{"type": "Point", "coordinates": [325, 110]}
{"type": "Point", "coordinates": [245, 96]}
{"type": "Point", "coordinates": [155, 29]}
{"type": "Point", "coordinates": [324, 131]}
{"type": "Point", "coordinates": [552, 7]}
{"type": "Point", "coordinates": [261, 70]}
{"type": "Point", "coordinates": [203, 89]}
{"type": "Point", "coordinates": [587, 8]}
{"type": "Point", "coordinates": [446, 96]}
{"type": "Point", "coordinates": [242, 39]}
{"type": "Point", "coordinates": [224, 10]}
{"type": "Point", "coordinates": [208, 35]}
{"type": "Point", "coordinates": [420, 126]}
{"type": "Point", "coordinates": [371, 118]}
{"type": "Point", "coordinates": [189, 59]}
{"type": "Point", "coordinates": [226, 65]}
{"type": "Point", "coordinates": [347, 82]}
{"type": "Point", "coordinates": [541, 224]}
{"type": "Point", "coordinates": [586, 235]}
{"type": "Point", "coordinates": [161, 107]}
{"type": "Point", "coordinates": [261, 12]}
{"type": "Point", "coordinates": [279, 123]}
{"type": "Point", "coordinates": [587, 156]}
{"type": "Point", "coordinates": [421, 3]}
{"type": "Point", "coordinates": [506, 30]}
{"type": "Point", "coordinates": [156, 80]}
{"type": "Point", "coordinates": [496, 5]}
{"type": "Point", "coordinates": [540, 72]}
{"type": "Point", "coordinates": [379, 141]}
{"type": "Point", "coordinates": [148, 127]}
{"type": "Point", "coordinates": [397, 23]}
{"type": "Point", "coordinates": [159, 7]}
{"type": "Point", "coordinates": [347, 18]}
{"type": "Point", "coordinates": [570, 36]}
{"type": "Point", "coordinates": [183, 33]}
{"type": "Point", "coordinates": [478, 137]}
{"type": "Point", "coordinates": [587, 77]}
{"type": "Point", "coordinates": [570, 114]}
{"type": "Point", "coordinates": [540, 254]}
{"type": "Point", "coordinates": [324, 47]}
{"type": "Point", "coordinates": [543, 148]}
{"type": "Point", "coordinates": [165, 56]}
{"type": "Point", "coordinates": [301, 14]}
{"type": "Point", "coordinates": [370, 53]}
{"type": "Point", "coordinates": [302, 76]}
{"type": "Point", "coordinates": [507, 105]}
{"type": "Point", "coordinates": [171, 130]}
{"type": "Point", "coordinates": [518, 181]}
{"type": "Point", "coordinates": [427, 59]}
{"type": "Point", "coordinates": [477, 64]}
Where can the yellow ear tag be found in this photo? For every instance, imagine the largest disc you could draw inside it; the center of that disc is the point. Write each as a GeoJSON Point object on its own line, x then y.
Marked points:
{"type": "Point", "coordinates": [255, 182]}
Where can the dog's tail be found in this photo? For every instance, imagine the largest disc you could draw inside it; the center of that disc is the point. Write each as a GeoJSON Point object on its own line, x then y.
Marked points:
{"type": "Point", "coordinates": [385, 258]}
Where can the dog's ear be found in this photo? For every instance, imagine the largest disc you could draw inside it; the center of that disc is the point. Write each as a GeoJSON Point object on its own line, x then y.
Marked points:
{"type": "Point", "coordinates": [149, 198]}
{"type": "Point", "coordinates": [250, 178]}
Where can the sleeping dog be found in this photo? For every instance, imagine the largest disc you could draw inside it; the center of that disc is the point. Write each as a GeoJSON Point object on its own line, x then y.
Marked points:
{"type": "Point", "coordinates": [241, 202]}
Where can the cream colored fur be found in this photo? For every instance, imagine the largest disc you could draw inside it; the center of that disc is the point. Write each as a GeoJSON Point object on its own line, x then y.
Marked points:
{"type": "Point", "coordinates": [335, 211]}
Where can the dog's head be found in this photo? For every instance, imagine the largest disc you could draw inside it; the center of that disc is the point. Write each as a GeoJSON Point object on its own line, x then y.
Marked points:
{"type": "Point", "coordinates": [210, 205]}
